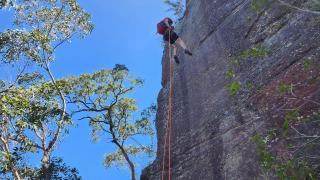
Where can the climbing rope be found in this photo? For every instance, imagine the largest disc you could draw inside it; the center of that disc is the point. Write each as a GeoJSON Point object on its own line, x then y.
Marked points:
{"type": "Point", "coordinates": [169, 119]}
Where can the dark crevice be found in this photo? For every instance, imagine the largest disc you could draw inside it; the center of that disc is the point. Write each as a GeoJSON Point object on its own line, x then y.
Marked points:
{"type": "Point", "coordinates": [233, 11]}
{"type": "Point", "coordinates": [277, 18]}
{"type": "Point", "coordinates": [253, 24]}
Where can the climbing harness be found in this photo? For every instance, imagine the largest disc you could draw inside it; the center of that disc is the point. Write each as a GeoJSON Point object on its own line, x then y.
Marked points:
{"type": "Point", "coordinates": [169, 120]}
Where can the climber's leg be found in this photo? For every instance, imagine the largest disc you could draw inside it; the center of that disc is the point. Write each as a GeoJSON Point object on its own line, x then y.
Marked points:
{"type": "Point", "coordinates": [175, 53]}
{"type": "Point", "coordinates": [174, 49]}
{"type": "Point", "coordinates": [184, 46]}
{"type": "Point", "coordinates": [175, 39]}
{"type": "Point", "coordinates": [181, 43]}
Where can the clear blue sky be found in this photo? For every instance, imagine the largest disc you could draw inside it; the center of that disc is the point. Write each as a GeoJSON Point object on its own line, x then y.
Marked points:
{"type": "Point", "coordinates": [124, 34]}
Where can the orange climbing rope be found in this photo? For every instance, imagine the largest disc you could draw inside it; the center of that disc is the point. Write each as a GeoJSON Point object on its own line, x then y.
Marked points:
{"type": "Point", "coordinates": [169, 120]}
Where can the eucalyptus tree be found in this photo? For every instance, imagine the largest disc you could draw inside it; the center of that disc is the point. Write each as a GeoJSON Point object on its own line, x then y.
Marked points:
{"type": "Point", "coordinates": [103, 99]}
{"type": "Point", "coordinates": [30, 119]}
{"type": "Point", "coordinates": [33, 106]}
{"type": "Point", "coordinates": [33, 117]}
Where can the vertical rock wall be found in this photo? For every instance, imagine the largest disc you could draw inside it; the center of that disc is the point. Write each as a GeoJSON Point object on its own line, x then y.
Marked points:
{"type": "Point", "coordinates": [211, 130]}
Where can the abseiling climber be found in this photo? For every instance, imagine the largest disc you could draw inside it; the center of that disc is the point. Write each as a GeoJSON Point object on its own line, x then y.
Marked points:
{"type": "Point", "coordinates": [165, 28]}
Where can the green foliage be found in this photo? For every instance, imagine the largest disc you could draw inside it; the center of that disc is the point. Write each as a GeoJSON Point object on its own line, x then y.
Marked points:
{"type": "Point", "coordinates": [230, 73]}
{"type": "Point", "coordinates": [257, 5]}
{"type": "Point", "coordinates": [284, 88]}
{"type": "Point", "coordinates": [176, 6]}
{"type": "Point", "coordinates": [258, 51]}
{"type": "Point", "coordinates": [117, 158]}
{"type": "Point", "coordinates": [266, 158]}
{"type": "Point", "coordinates": [5, 3]}
{"type": "Point", "coordinates": [250, 86]}
{"type": "Point", "coordinates": [234, 87]}
{"type": "Point", "coordinates": [33, 115]}
{"type": "Point", "coordinates": [52, 22]}
{"type": "Point", "coordinates": [24, 111]}
{"type": "Point", "coordinates": [102, 94]}
{"type": "Point", "coordinates": [30, 78]}
{"type": "Point", "coordinates": [59, 170]}
{"type": "Point", "coordinates": [102, 98]}
{"type": "Point", "coordinates": [307, 64]}
{"type": "Point", "coordinates": [284, 169]}
{"type": "Point", "coordinates": [290, 116]}
{"type": "Point", "coordinates": [285, 127]}
{"type": "Point", "coordinates": [56, 19]}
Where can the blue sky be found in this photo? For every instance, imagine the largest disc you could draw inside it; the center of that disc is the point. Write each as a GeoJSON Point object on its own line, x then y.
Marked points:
{"type": "Point", "coordinates": [125, 33]}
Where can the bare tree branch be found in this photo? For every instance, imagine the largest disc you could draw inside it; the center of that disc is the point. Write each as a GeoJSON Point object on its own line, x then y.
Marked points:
{"type": "Point", "coordinates": [63, 41]}
{"type": "Point", "coordinates": [16, 80]}
{"type": "Point", "coordinates": [12, 166]}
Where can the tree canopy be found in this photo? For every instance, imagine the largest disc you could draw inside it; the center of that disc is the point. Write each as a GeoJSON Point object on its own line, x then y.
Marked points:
{"type": "Point", "coordinates": [37, 111]}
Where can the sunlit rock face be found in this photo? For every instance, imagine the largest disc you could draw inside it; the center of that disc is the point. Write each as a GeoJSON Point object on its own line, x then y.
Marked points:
{"type": "Point", "coordinates": [212, 130]}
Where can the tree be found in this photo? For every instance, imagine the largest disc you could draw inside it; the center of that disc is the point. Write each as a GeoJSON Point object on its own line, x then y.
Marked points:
{"type": "Point", "coordinates": [33, 107]}
{"type": "Point", "coordinates": [33, 110]}
{"type": "Point", "coordinates": [59, 170]}
{"type": "Point", "coordinates": [102, 98]}
{"type": "Point", "coordinates": [30, 119]}
{"type": "Point", "coordinates": [5, 3]}
{"type": "Point", "coordinates": [177, 7]}
{"type": "Point", "coordinates": [33, 116]}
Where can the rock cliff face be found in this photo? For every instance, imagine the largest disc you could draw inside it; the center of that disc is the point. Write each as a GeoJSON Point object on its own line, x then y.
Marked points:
{"type": "Point", "coordinates": [235, 43]}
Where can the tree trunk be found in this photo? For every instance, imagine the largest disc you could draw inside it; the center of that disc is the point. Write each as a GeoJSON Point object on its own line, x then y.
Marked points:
{"type": "Point", "coordinates": [115, 141]}
{"type": "Point", "coordinates": [15, 173]}
{"type": "Point", "coordinates": [131, 165]}
{"type": "Point", "coordinates": [46, 174]}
